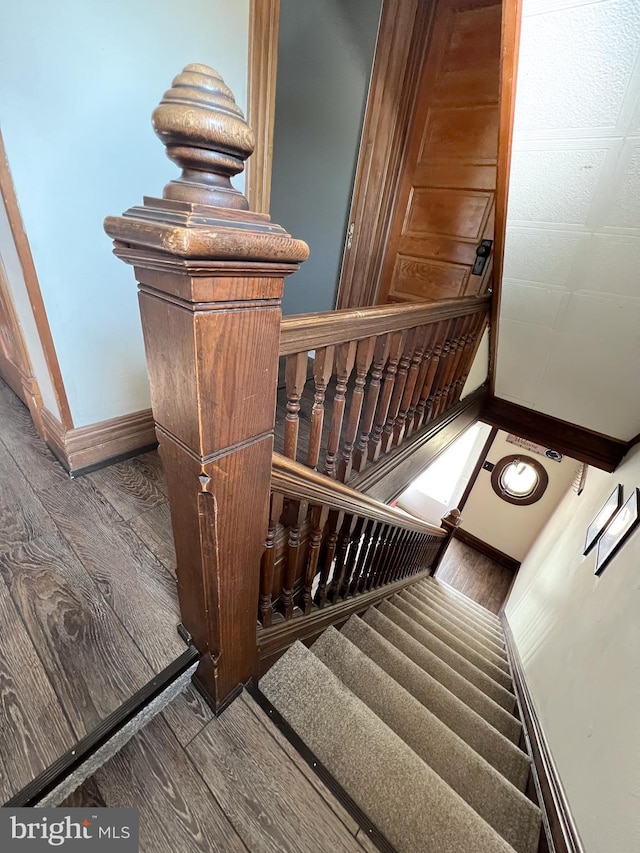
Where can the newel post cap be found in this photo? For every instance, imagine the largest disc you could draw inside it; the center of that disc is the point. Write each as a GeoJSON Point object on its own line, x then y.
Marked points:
{"type": "Point", "coordinates": [201, 215]}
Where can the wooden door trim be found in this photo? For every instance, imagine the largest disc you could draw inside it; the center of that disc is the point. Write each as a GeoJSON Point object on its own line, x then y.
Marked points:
{"type": "Point", "coordinates": [33, 286]}
{"type": "Point", "coordinates": [510, 48]}
{"type": "Point", "coordinates": [403, 34]}
{"type": "Point", "coordinates": [264, 20]}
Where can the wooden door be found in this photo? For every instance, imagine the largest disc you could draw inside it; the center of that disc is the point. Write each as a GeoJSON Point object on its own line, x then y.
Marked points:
{"type": "Point", "coordinates": [446, 198]}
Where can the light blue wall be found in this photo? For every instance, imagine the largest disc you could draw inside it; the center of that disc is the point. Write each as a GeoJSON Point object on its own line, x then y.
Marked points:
{"type": "Point", "coordinates": [78, 83]}
{"type": "Point", "coordinates": [325, 53]}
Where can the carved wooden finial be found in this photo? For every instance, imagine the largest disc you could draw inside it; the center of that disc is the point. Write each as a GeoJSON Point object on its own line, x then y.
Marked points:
{"type": "Point", "coordinates": [205, 133]}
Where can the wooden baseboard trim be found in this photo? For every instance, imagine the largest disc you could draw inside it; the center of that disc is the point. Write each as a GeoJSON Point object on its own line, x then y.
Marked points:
{"type": "Point", "coordinates": [84, 449]}
{"type": "Point", "coordinates": [585, 445]}
{"type": "Point", "coordinates": [488, 550]}
{"type": "Point", "coordinates": [562, 834]}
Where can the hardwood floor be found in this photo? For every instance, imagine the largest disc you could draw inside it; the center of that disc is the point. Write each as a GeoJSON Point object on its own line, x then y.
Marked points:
{"type": "Point", "coordinates": [478, 577]}
{"type": "Point", "coordinates": [88, 601]}
{"type": "Point", "coordinates": [237, 785]}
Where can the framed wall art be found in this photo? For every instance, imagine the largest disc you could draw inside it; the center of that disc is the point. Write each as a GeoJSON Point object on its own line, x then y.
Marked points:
{"type": "Point", "coordinates": [597, 526]}
{"type": "Point", "coordinates": [618, 531]}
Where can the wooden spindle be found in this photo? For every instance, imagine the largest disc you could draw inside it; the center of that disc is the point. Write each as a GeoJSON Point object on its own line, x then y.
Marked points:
{"type": "Point", "coordinates": [364, 355]}
{"type": "Point", "coordinates": [467, 324]}
{"type": "Point", "coordinates": [319, 516]}
{"type": "Point", "coordinates": [448, 373]}
{"type": "Point", "coordinates": [380, 356]}
{"type": "Point", "coordinates": [359, 577]}
{"type": "Point", "coordinates": [396, 347]}
{"type": "Point", "coordinates": [345, 358]}
{"type": "Point", "coordinates": [295, 379]}
{"type": "Point", "coordinates": [328, 553]}
{"type": "Point", "coordinates": [399, 427]}
{"type": "Point", "coordinates": [268, 561]}
{"type": "Point", "coordinates": [350, 562]}
{"type": "Point", "coordinates": [398, 391]}
{"type": "Point", "coordinates": [295, 514]}
{"type": "Point", "coordinates": [211, 275]}
{"type": "Point", "coordinates": [437, 389]}
{"type": "Point", "coordinates": [430, 337]}
{"type": "Point", "coordinates": [468, 355]}
{"type": "Point", "coordinates": [430, 383]}
{"type": "Point", "coordinates": [344, 541]}
{"type": "Point", "coordinates": [366, 580]}
{"type": "Point", "coordinates": [322, 370]}
{"type": "Point", "coordinates": [378, 557]}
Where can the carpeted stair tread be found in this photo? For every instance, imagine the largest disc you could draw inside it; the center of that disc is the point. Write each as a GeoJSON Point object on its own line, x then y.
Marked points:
{"type": "Point", "coordinates": [467, 624]}
{"type": "Point", "coordinates": [476, 699]}
{"type": "Point", "coordinates": [489, 626]}
{"type": "Point", "coordinates": [464, 601]}
{"type": "Point", "coordinates": [494, 798]}
{"type": "Point", "coordinates": [466, 664]}
{"type": "Point", "coordinates": [416, 810]}
{"type": "Point", "coordinates": [459, 631]}
{"type": "Point", "coordinates": [501, 752]}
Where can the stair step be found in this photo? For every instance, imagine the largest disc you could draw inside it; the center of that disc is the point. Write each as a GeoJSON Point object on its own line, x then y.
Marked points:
{"type": "Point", "coordinates": [461, 664]}
{"type": "Point", "coordinates": [471, 625]}
{"type": "Point", "coordinates": [449, 606]}
{"type": "Point", "coordinates": [494, 798]}
{"type": "Point", "coordinates": [500, 751]}
{"type": "Point", "coordinates": [450, 678]}
{"type": "Point", "coordinates": [462, 600]}
{"type": "Point", "coordinates": [463, 632]}
{"type": "Point", "coordinates": [403, 796]}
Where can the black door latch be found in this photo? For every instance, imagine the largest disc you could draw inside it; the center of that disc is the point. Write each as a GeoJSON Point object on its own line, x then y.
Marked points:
{"type": "Point", "coordinates": [482, 256]}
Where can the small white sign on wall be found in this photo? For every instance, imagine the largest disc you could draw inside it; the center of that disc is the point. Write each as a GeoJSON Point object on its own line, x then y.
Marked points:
{"type": "Point", "coordinates": [532, 447]}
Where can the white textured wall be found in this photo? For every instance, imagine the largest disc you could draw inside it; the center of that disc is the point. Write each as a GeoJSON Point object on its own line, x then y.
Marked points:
{"type": "Point", "coordinates": [509, 528]}
{"type": "Point", "coordinates": [569, 339]}
{"type": "Point", "coordinates": [78, 83]}
{"type": "Point", "coordinates": [579, 640]}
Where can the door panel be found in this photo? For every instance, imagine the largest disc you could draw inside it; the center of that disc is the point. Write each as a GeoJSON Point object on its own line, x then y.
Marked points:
{"type": "Point", "coordinates": [445, 204]}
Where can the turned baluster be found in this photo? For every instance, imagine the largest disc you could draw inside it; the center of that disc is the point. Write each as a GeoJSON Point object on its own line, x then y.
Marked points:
{"type": "Point", "coordinates": [380, 356]}
{"type": "Point", "coordinates": [268, 561]}
{"type": "Point", "coordinates": [359, 573]}
{"type": "Point", "coordinates": [430, 338]}
{"type": "Point", "coordinates": [434, 362]}
{"type": "Point", "coordinates": [296, 514]}
{"type": "Point", "coordinates": [398, 391]}
{"type": "Point", "coordinates": [345, 358]}
{"type": "Point", "coordinates": [350, 562]}
{"type": "Point", "coordinates": [364, 356]}
{"type": "Point", "coordinates": [396, 347]}
{"type": "Point", "coordinates": [295, 378]}
{"type": "Point", "coordinates": [448, 377]}
{"type": "Point", "coordinates": [393, 550]}
{"type": "Point", "coordinates": [433, 400]}
{"type": "Point", "coordinates": [364, 583]}
{"type": "Point", "coordinates": [410, 385]}
{"type": "Point", "coordinates": [468, 355]}
{"type": "Point", "coordinates": [328, 552]}
{"type": "Point", "coordinates": [457, 361]}
{"type": "Point", "coordinates": [344, 540]}
{"type": "Point", "coordinates": [322, 369]}
{"type": "Point", "coordinates": [378, 557]}
{"type": "Point", "coordinates": [319, 516]}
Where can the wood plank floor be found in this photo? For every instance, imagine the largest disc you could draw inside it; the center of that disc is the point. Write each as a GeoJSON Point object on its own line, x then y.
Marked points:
{"type": "Point", "coordinates": [88, 600]}
{"type": "Point", "coordinates": [236, 785]}
{"type": "Point", "coordinates": [478, 577]}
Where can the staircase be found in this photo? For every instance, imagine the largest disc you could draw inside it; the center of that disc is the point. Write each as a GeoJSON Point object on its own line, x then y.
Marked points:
{"type": "Point", "coordinates": [411, 710]}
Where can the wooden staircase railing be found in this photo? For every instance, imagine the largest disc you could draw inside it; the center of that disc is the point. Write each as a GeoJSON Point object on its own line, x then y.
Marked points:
{"type": "Point", "coordinates": [383, 374]}
{"type": "Point", "coordinates": [210, 277]}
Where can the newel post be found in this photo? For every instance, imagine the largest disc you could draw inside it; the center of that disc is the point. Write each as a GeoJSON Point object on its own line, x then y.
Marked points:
{"type": "Point", "coordinates": [450, 523]}
{"type": "Point", "coordinates": [210, 277]}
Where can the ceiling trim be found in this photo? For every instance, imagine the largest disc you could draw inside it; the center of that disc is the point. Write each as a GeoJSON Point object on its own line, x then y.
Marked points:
{"type": "Point", "coordinates": [585, 445]}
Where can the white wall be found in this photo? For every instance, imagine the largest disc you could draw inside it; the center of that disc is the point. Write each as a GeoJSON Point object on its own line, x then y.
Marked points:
{"type": "Point", "coordinates": [510, 528]}
{"type": "Point", "coordinates": [579, 640]}
{"type": "Point", "coordinates": [479, 372]}
{"type": "Point", "coordinates": [325, 53]}
{"type": "Point", "coordinates": [568, 340]}
{"type": "Point", "coordinates": [21, 302]}
{"type": "Point", "coordinates": [78, 83]}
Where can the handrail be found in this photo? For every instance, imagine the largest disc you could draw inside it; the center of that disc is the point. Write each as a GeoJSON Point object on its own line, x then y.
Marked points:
{"type": "Point", "coordinates": [295, 480]}
{"type": "Point", "coordinates": [302, 332]}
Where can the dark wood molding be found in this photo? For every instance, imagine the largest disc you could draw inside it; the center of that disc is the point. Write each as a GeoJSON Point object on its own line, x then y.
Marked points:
{"type": "Point", "coordinates": [393, 473]}
{"type": "Point", "coordinates": [264, 19]}
{"type": "Point", "coordinates": [486, 447]}
{"type": "Point", "coordinates": [86, 448]}
{"type": "Point", "coordinates": [7, 190]}
{"type": "Point", "coordinates": [559, 824]}
{"type": "Point", "coordinates": [594, 448]}
{"type": "Point", "coordinates": [510, 46]}
{"type": "Point", "coordinates": [404, 31]}
{"type": "Point", "coordinates": [488, 550]}
{"type": "Point", "coordinates": [274, 641]}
